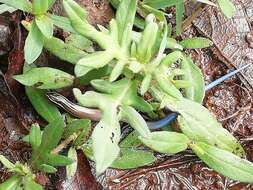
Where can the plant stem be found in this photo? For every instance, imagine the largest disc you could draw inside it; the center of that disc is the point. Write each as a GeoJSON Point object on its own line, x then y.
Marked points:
{"type": "Point", "coordinates": [65, 143]}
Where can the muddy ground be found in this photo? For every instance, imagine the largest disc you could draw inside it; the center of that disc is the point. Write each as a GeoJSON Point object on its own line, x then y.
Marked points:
{"type": "Point", "coordinates": [230, 102]}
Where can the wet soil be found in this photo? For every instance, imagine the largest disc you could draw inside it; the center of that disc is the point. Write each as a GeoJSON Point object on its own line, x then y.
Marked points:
{"type": "Point", "coordinates": [230, 102]}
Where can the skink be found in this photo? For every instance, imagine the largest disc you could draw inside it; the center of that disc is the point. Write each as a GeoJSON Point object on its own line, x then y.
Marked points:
{"type": "Point", "coordinates": [95, 114]}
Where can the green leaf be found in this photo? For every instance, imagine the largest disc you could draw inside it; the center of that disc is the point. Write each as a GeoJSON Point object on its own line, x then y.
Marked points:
{"type": "Point", "coordinates": [227, 7]}
{"type": "Point", "coordinates": [81, 12]}
{"type": "Point", "coordinates": [193, 74]}
{"type": "Point", "coordinates": [23, 5]}
{"type": "Point", "coordinates": [45, 25]}
{"type": "Point", "coordinates": [125, 16]}
{"type": "Point", "coordinates": [30, 184]}
{"type": "Point", "coordinates": [159, 4]}
{"type": "Point", "coordinates": [35, 136]}
{"type": "Point", "coordinates": [40, 6]}
{"type": "Point", "coordinates": [95, 60]}
{"type": "Point", "coordinates": [105, 137]}
{"type": "Point", "coordinates": [198, 124]}
{"type": "Point", "coordinates": [47, 169]}
{"type": "Point", "coordinates": [166, 142]}
{"type": "Point", "coordinates": [6, 162]}
{"type": "Point", "coordinates": [41, 104]}
{"type": "Point", "coordinates": [77, 125]}
{"type": "Point", "coordinates": [131, 158]}
{"type": "Point", "coordinates": [135, 120]}
{"type": "Point", "coordinates": [82, 125]}
{"type": "Point", "coordinates": [63, 50]}
{"type": "Point", "coordinates": [79, 42]}
{"type": "Point", "coordinates": [77, 16]}
{"type": "Point", "coordinates": [179, 15]}
{"type": "Point", "coordinates": [33, 44]}
{"type": "Point", "coordinates": [173, 44]}
{"type": "Point", "coordinates": [131, 140]}
{"type": "Point", "coordinates": [11, 183]}
{"type": "Point", "coordinates": [224, 162]}
{"type": "Point", "coordinates": [196, 42]}
{"type": "Point", "coordinates": [6, 8]}
{"type": "Point", "coordinates": [62, 22]}
{"type": "Point", "coordinates": [71, 169]}
{"type": "Point", "coordinates": [45, 78]}
{"type": "Point", "coordinates": [148, 40]}
{"type": "Point", "coordinates": [95, 74]}
{"type": "Point", "coordinates": [57, 160]}
{"type": "Point", "coordinates": [51, 136]}
{"type": "Point", "coordinates": [166, 84]}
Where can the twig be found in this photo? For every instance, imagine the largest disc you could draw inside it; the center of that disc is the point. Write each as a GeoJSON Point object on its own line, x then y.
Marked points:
{"type": "Point", "coordinates": [65, 143]}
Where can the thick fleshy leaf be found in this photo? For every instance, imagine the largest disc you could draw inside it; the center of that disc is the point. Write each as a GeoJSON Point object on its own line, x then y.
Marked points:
{"type": "Point", "coordinates": [125, 16]}
{"type": "Point", "coordinates": [45, 78]}
{"type": "Point", "coordinates": [6, 8]}
{"type": "Point", "coordinates": [81, 125]}
{"type": "Point", "coordinates": [105, 138]}
{"type": "Point", "coordinates": [179, 15]}
{"type": "Point", "coordinates": [62, 22]}
{"type": "Point", "coordinates": [172, 58]}
{"type": "Point", "coordinates": [198, 124]}
{"type": "Point", "coordinates": [11, 183]}
{"type": "Point", "coordinates": [166, 85]}
{"type": "Point", "coordinates": [23, 5]}
{"type": "Point", "coordinates": [224, 162]}
{"type": "Point", "coordinates": [135, 120]}
{"type": "Point", "coordinates": [77, 125]}
{"type": "Point", "coordinates": [79, 42]}
{"type": "Point", "coordinates": [195, 43]}
{"type": "Point", "coordinates": [47, 168]}
{"type": "Point", "coordinates": [166, 142]}
{"type": "Point", "coordinates": [131, 158]}
{"type": "Point", "coordinates": [81, 12]}
{"type": "Point", "coordinates": [173, 44]}
{"type": "Point", "coordinates": [148, 40]}
{"type": "Point", "coordinates": [41, 104]}
{"type": "Point", "coordinates": [71, 169]}
{"type": "Point", "coordinates": [227, 7]}
{"type": "Point", "coordinates": [131, 140]}
{"type": "Point", "coordinates": [193, 74]}
{"type": "Point", "coordinates": [63, 50]}
{"type": "Point", "coordinates": [57, 160]}
{"type": "Point", "coordinates": [6, 162]}
{"type": "Point", "coordinates": [35, 136]}
{"type": "Point", "coordinates": [33, 44]}
{"type": "Point", "coordinates": [45, 25]}
{"type": "Point", "coordinates": [39, 6]}
{"type": "Point", "coordinates": [77, 17]}
{"type": "Point", "coordinates": [93, 61]}
{"type": "Point", "coordinates": [30, 184]}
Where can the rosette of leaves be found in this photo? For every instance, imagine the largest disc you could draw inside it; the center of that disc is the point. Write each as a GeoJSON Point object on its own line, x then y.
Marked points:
{"type": "Point", "coordinates": [114, 41]}
{"type": "Point", "coordinates": [23, 177]}
{"type": "Point", "coordinates": [118, 102]}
